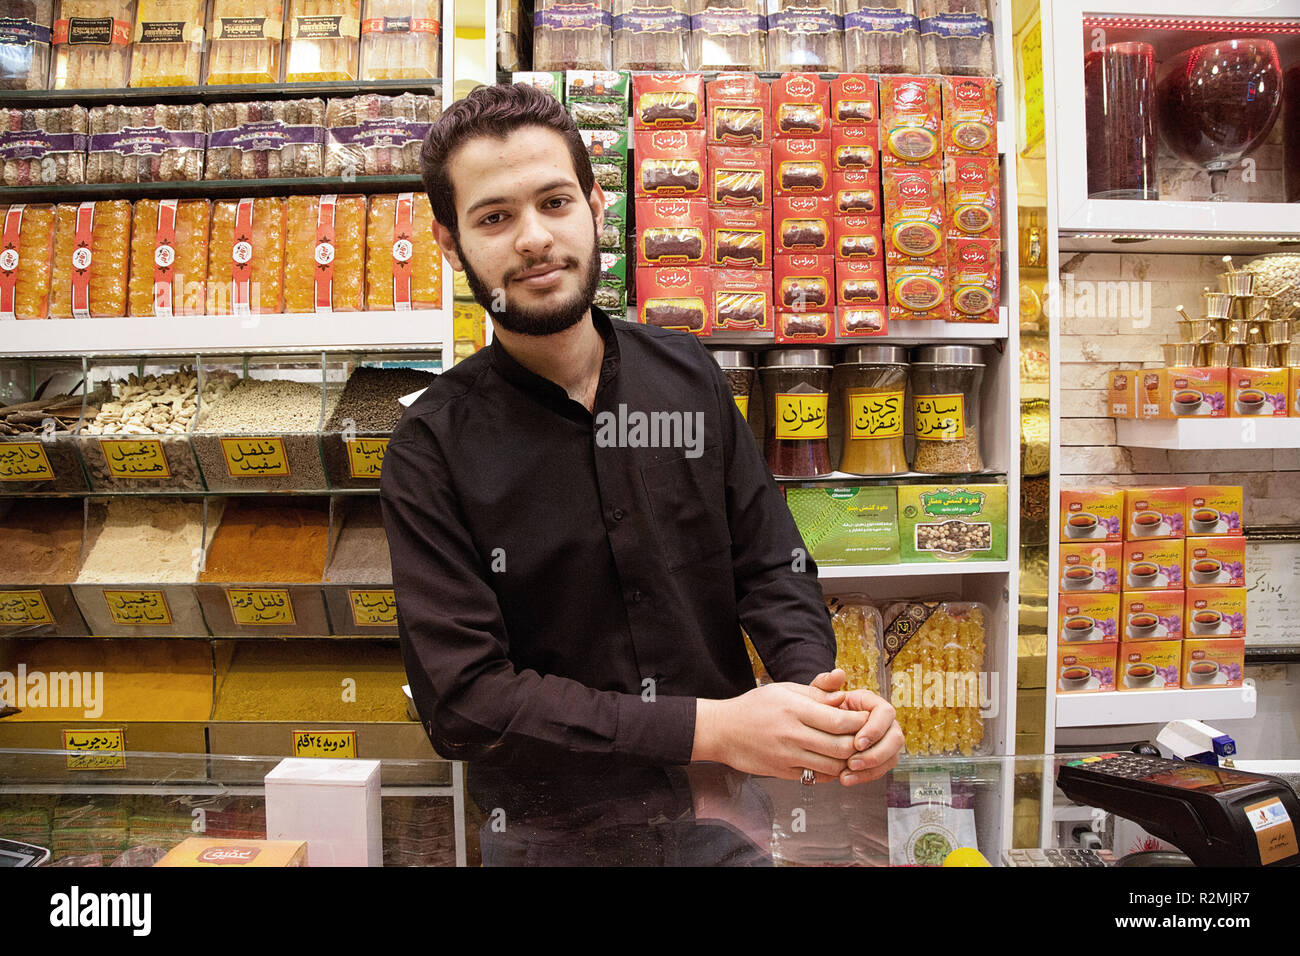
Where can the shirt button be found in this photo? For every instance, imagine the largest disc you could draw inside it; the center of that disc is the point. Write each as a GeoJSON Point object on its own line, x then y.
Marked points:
{"type": "Point", "coordinates": [618, 514]}
{"type": "Point", "coordinates": [635, 597]}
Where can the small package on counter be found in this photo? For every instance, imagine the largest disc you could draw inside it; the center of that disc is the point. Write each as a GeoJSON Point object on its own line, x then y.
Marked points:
{"type": "Point", "coordinates": [92, 44]}
{"type": "Point", "coordinates": [803, 35]}
{"type": "Point", "coordinates": [1258, 392]}
{"type": "Point", "coordinates": [801, 166]}
{"type": "Point", "coordinates": [911, 115]}
{"type": "Point", "coordinates": [971, 192]}
{"type": "Point", "coordinates": [169, 257]}
{"type": "Point", "coordinates": [266, 140]}
{"type": "Point", "coordinates": [1214, 510]}
{"type": "Point", "coordinates": [1155, 565]}
{"type": "Point", "coordinates": [550, 83]}
{"type": "Point", "coordinates": [27, 241]}
{"type": "Point", "coordinates": [859, 237]}
{"type": "Point", "coordinates": [25, 33]}
{"type": "Point", "coordinates": [918, 291]}
{"type": "Point", "coordinates": [400, 40]}
{"type": "Point", "coordinates": [672, 232]}
{"type": "Point", "coordinates": [670, 162]}
{"type": "Point", "coordinates": [674, 298]}
{"type": "Point", "coordinates": [740, 238]}
{"type": "Point", "coordinates": [856, 192]}
{"type": "Point", "coordinates": [1091, 566]}
{"type": "Point", "coordinates": [651, 34]}
{"type": "Point", "coordinates": [803, 224]}
{"type": "Point", "coordinates": [167, 45]}
{"type": "Point", "coordinates": [374, 135]}
{"type": "Point", "coordinates": [952, 522]}
{"type": "Point", "coordinates": [805, 328]}
{"type": "Point", "coordinates": [1088, 617]}
{"type": "Point", "coordinates": [844, 526]}
{"type": "Point", "coordinates": [1174, 392]}
{"type": "Point", "coordinates": [739, 110]}
{"type": "Point", "coordinates": [930, 814]}
{"type": "Point", "coordinates": [858, 649]}
{"type": "Point", "coordinates": [613, 234]}
{"type": "Point", "coordinates": [1093, 514]}
{"type": "Point", "coordinates": [859, 321]}
{"type": "Point", "coordinates": [975, 270]}
{"type": "Point", "coordinates": [43, 147]}
{"type": "Point", "coordinates": [741, 300]}
{"type": "Point", "coordinates": [804, 282]}
{"type": "Point", "coordinates": [92, 242]}
{"type": "Point", "coordinates": [1154, 513]}
{"type": "Point", "coordinates": [146, 144]}
{"type": "Point", "coordinates": [403, 260]}
{"type": "Point", "coordinates": [1216, 612]}
{"type": "Point", "coordinates": [855, 148]}
{"type": "Point", "coordinates": [611, 288]}
{"type": "Point", "coordinates": [740, 176]}
{"type": "Point", "coordinates": [855, 99]}
{"type": "Point", "coordinates": [970, 116]}
{"type": "Point", "coordinates": [1216, 662]}
{"type": "Point", "coordinates": [915, 214]}
{"type": "Point", "coordinates": [801, 106]}
{"type": "Point", "coordinates": [1152, 615]}
{"type": "Point", "coordinates": [573, 36]}
{"type": "Point", "coordinates": [1122, 395]}
{"type": "Point", "coordinates": [1216, 562]}
{"type": "Point", "coordinates": [956, 37]}
{"type": "Point", "coordinates": [1086, 667]}
{"type": "Point", "coordinates": [246, 257]}
{"type": "Point", "coordinates": [324, 260]}
{"type": "Point", "coordinates": [881, 36]}
{"type": "Point", "coordinates": [860, 283]}
{"type": "Point", "coordinates": [244, 42]}
{"type": "Point", "coordinates": [1148, 665]}
{"type": "Point", "coordinates": [731, 35]}
{"type": "Point", "coordinates": [198, 851]}
{"type": "Point", "coordinates": [667, 101]}
{"type": "Point", "coordinates": [324, 41]}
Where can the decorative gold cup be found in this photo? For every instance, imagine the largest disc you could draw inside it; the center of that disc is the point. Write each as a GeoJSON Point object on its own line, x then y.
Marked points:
{"type": "Point", "coordinates": [1180, 354]}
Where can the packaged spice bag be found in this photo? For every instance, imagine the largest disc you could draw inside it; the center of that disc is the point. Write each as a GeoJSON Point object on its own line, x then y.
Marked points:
{"type": "Point", "coordinates": [246, 257]}
{"type": "Point", "coordinates": [728, 35]}
{"type": "Point", "coordinates": [91, 247]}
{"type": "Point", "coordinates": [266, 140]}
{"type": "Point", "coordinates": [401, 40]}
{"type": "Point", "coordinates": [169, 257]}
{"type": "Point", "coordinates": [573, 36]}
{"type": "Point", "coordinates": [136, 144]}
{"type": "Point", "coordinates": [651, 34]}
{"type": "Point", "coordinates": [43, 147]}
{"type": "Point", "coordinates": [26, 27]}
{"type": "Point", "coordinates": [956, 37]}
{"type": "Point", "coordinates": [26, 238]}
{"type": "Point", "coordinates": [374, 135]}
{"type": "Point", "coordinates": [167, 42]}
{"type": "Point", "coordinates": [325, 254]}
{"type": "Point", "coordinates": [403, 260]}
{"type": "Point", "coordinates": [92, 44]}
{"type": "Point", "coordinates": [323, 42]}
{"type": "Point", "coordinates": [881, 36]}
{"type": "Point", "coordinates": [806, 35]}
{"type": "Point", "coordinates": [245, 42]}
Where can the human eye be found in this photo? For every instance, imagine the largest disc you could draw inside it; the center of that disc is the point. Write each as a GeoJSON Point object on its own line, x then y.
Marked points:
{"type": "Point", "coordinates": [492, 219]}
{"type": "Point", "coordinates": [557, 202]}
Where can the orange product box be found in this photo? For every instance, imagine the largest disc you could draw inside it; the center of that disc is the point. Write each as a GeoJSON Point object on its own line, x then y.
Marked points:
{"type": "Point", "coordinates": [667, 101]}
{"type": "Point", "coordinates": [739, 109]}
{"type": "Point", "coordinates": [200, 851]}
{"type": "Point", "coordinates": [740, 176]}
{"type": "Point", "coordinates": [1087, 616]}
{"type": "Point", "coordinates": [1216, 612]}
{"type": "Point", "coordinates": [805, 328]}
{"type": "Point", "coordinates": [860, 283]}
{"type": "Point", "coordinates": [860, 321]}
{"type": "Point", "coordinates": [1091, 566]}
{"type": "Point", "coordinates": [674, 298]}
{"type": "Point", "coordinates": [1152, 615]}
{"type": "Point", "coordinates": [1216, 562]}
{"type": "Point", "coordinates": [1154, 513]}
{"type": "Point", "coordinates": [917, 291]}
{"type": "Point", "coordinates": [855, 100]}
{"type": "Point", "coordinates": [1148, 665]}
{"type": "Point", "coordinates": [672, 232]}
{"type": "Point", "coordinates": [1214, 510]}
{"type": "Point", "coordinates": [855, 147]}
{"type": "Point", "coordinates": [246, 255]}
{"type": "Point", "coordinates": [1213, 662]}
{"type": "Point", "coordinates": [914, 213]}
{"type": "Point", "coordinates": [1155, 565]}
{"type": "Point", "coordinates": [1092, 514]}
{"type": "Point", "coordinates": [856, 192]}
{"type": "Point", "coordinates": [975, 270]}
{"type": "Point", "coordinates": [911, 109]}
{"type": "Point", "coordinates": [859, 237]}
{"type": "Point", "coordinates": [803, 224]}
{"type": "Point", "coordinates": [740, 237]}
{"type": "Point", "coordinates": [1086, 667]}
{"type": "Point", "coordinates": [1175, 392]}
{"type": "Point", "coordinates": [801, 106]}
{"type": "Point", "coordinates": [801, 166]}
{"type": "Point", "coordinates": [741, 299]}
{"type": "Point", "coordinates": [804, 282]}
{"type": "Point", "coordinates": [1123, 395]}
{"type": "Point", "coordinates": [1256, 392]}
{"type": "Point", "coordinates": [970, 115]}
{"type": "Point", "coordinates": [971, 190]}
{"type": "Point", "coordinates": [403, 258]}
{"type": "Point", "coordinates": [670, 162]}
{"type": "Point", "coordinates": [1295, 392]}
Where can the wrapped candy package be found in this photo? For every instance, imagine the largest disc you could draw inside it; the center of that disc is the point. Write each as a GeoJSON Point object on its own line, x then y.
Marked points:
{"type": "Point", "coordinates": [138, 144]}
{"type": "Point", "coordinates": [403, 261]}
{"type": "Point", "coordinates": [43, 147]}
{"type": "Point", "coordinates": [573, 36]}
{"type": "Point", "coordinates": [245, 42]}
{"type": "Point", "coordinates": [324, 262]}
{"type": "Point", "coordinates": [400, 40]}
{"type": "Point", "coordinates": [323, 42]}
{"type": "Point", "coordinates": [26, 27]}
{"type": "Point", "coordinates": [26, 238]}
{"type": "Point", "coordinates": [91, 247]}
{"type": "Point", "coordinates": [266, 140]}
{"type": "Point", "coordinates": [92, 44]}
{"type": "Point", "coordinates": [169, 257]}
{"type": "Point", "coordinates": [167, 45]}
{"type": "Point", "coordinates": [374, 135]}
{"type": "Point", "coordinates": [246, 257]}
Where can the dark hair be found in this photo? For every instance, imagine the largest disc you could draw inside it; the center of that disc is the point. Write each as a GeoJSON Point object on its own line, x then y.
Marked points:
{"type": "Point", "coordinates": [494, 111]}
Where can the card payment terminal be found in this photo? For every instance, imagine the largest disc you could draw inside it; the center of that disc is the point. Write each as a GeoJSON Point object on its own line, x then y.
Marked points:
{"type": "Point", "coordinates": [1217, 816]}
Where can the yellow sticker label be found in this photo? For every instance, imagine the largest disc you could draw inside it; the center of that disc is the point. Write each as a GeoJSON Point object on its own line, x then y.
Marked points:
{"type": "Point", "coordinates": [96, 749]}
{"type": "Point", "coordinates": [939, 417]}
{"type": "Point", "coordinates": [135, 459]}
{"type": "Point", "coordinates": [373, 608]}
{"type": "Point", "coordinates": [260, 606]}
{"type": "Point", "coordinates": [325, 743]}
{"type": "Point", "coordinates": [24, 461]}
{"type": "Point", "coordinates": [24, 607]}
{"type": "Point", "coordinates": [742, 402]}
{"type": "Point", "coordinates": [366, 456]}
{"type": "Point", "coordinates": [800, 415]}
{"type": "Point", "coordinates": [1273, 829]}
{"type": "Point", "coordinates": [875, 414]}
{"type": "Point", "coordinates": [138, 607]}
{"type": "Point", "coordinates": [255, 457]}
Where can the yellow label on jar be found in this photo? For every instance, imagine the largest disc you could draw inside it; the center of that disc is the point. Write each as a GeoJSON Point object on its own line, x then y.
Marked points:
{"type": "Point", "coordinates": [255, 457]}
{"type": "Point", "coordinates": [260, 606]}
{"type": "Point", "coordinates": [135, 459]}
{"type": "Point", "coordinates": [24, 461]}
{"type": "Point", "coordinates": [875, 414]}
{"type": "Point", "coordinates": [366, 456]}
{"type": "Point", "coordinates": [742, 402]}
{"type": "Point", "coordinates": [95, 749]}
{"type": "Point", "coordinates": [138, 607]}
{"type": "Point", "coordinates": [800, 415]}
{"type": "Point", "coordinates": [373, 608]}
{"type": "Point", "coordinates": [325, 743]}
{"type": "Point", "coordinates": [939, 417]}
{"type": "Point", "coordinates": [24, 607]}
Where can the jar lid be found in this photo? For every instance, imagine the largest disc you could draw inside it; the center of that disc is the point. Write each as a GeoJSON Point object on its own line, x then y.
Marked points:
{"type": "Point", "coordinates": [733, 358]}
{"type": "Point", "coordinates": [798, 358]}
{"type": "Point", "coordinates": [948, 355]}
{"type": "Point", "coordinates": [875, 355]}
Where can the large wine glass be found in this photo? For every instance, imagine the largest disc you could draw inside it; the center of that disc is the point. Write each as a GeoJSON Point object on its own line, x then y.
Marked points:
{"type": "Point", "coordinates": [1218, 102]}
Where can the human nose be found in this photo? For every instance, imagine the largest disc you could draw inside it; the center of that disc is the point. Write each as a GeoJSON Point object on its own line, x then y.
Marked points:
{"type": "Point", "coordinates": [533, 240]}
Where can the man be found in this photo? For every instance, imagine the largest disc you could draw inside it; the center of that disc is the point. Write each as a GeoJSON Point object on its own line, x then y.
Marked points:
{"type": "Point", "coordinates": [571, 593]}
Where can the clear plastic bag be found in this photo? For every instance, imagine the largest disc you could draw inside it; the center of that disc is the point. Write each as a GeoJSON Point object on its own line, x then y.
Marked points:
{"type": "Point", "coordinates": [806, 35]}
{"type": "Point", "coordinates": [956, 37]}
{"type": "Point", "coordinates": [26, 27]}
{"type": "Point", "coordinates": [43, 147]}
{"type": "Point", "coordinates": [168, 43]}
{"type": "Point", "coordinates": [374, 135]}
{"type": "Point", "coordinates": [92, 44]}
{"type": "Point", "coordinates": [401, 40]}
{"type": "Point", "coordinates": [323, 41]}
{"type": "Point", "coordinates": [859, 650]}
{"type": "Point", "coordinates": [146, 144]}
{"type": "Point", "coordinates": [245, 42]}
{"type": "Point", "coordinates": [651, 34]}
{"type": "Point", "coordinates": [728, 35]}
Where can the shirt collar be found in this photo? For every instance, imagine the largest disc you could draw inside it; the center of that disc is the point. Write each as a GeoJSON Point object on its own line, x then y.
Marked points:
{"type": "Point", "coordinates": [543, 388]}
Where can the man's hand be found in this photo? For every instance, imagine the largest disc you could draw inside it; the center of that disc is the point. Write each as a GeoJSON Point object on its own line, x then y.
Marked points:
{"type": "Point", "coordinates": [778, 730]}
{"type": "Point", "coordinates": [877, 744]}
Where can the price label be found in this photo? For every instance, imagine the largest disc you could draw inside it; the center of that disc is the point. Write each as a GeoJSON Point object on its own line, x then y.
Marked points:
{"type": "Point", "coordinates": [373, 608]}
{"type": "Point", "coordinates": [135, 459]}
{"type": "Point", "coordinates": [742, 402]}
{"type": "Point", "coordinates": [260, 607]}
{"type": "Point", "coordinates": [366, 456]}
{"type": "Point", "coordinates": [325, 743]}
{"type": "Point", "coordinates": [800, 416]}
{"type": "Point", "coordinates": [138, 607]}
{"type": "Point", "coordinates": [255, 457]}
{"type": "Point", "coordinates": [95, 749]}
{"type": "Point", "coordinates": [21, 608]}
{"type": "Point", "coordinates": [1273, 830]}
{"type": "Point", "coordinates": [939, 417]}
{"type": "Point", "coordinates": [24, 461]}
{"type": "Point", "coordinates": [875, 414]}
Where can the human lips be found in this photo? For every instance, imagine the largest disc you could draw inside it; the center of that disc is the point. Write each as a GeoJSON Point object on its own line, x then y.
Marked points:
{"type": "Point", "coordinates": [540, 275]}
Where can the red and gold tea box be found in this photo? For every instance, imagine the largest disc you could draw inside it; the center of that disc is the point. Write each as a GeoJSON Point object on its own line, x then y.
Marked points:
{"type": "Point", "coordinates": [667, 101]}
{"type": "Point", "coordinates": [1216, 562]}
{"type": "Point", "coordinates": [855, 100]}
{"type": "Point", "coordinates": [1216, 612]}
{"type": "Point", "coordinates": [1214, 510]}
{"type": "Point", "coordinates": [1086, 667]}
{"type": "Point", "coordinates": [805, 328]}
{"type": "Point", "coordinates": [970, 116]}
{"type": "Point", "coordinates": [26, 243]}
{"type": "Point", "coordinates": [861, 321]}
{"type": "Point", "coordinates": [917, 291]}
{"type": "Point", "coordinates": [1178, 392]}
{"type": "Point", "coordinates": [670, 162]}
{"type": "Point", "coordinates": [1254, 392]}
{"type": "Point", "coordinates": [856, 192]}
{"type": "Point", "coordinates": [975, 270]}
{"type": "Point", "coordinates": [911, 109]}
{"type": "Point", "coordinates": [741, 238]}
{"type": "Point", "coordinates": [804, 283]}
{"type": "Point", "coordinates": [801, 167]}
{"type": "Point", "coordinates": [855, 147]}
{"type": "Point", "coordinates": [1091, 566]}
{"type": "Point", "coordinates": [971, 187]}
{"type": "Point", "coordinates": [860, 283]}
{"type": "Point", "coordinates": [1152, 615]}
{"type": "Point", "coordinates": [914, 213]}
{"type": "Point", "coordinates": [1122, 397]}
{"type": "Point", "coordinates": [1154, 513]}
{"type": "Point", "coordinates": [739, 110]}
{"type": "Point", "coordinates": [674, 298]}
{"type": "Point", "coordinates": [803, 224]}
{"type": "Point", "coordinates": [1087, 616]}
{"type": "Point", "coordinates": [742, 300]}
{"type": "Point", "coordinates": [801, 106]}
{"type": "Point", "coordinates": [859, 237]}
{"type": "Point", "coordinates": [1155, 565]}
{"type": "Point", "coordinates": [1148, 665]}
{"type": "Point", "coordinates": [740, 176]}
{"type": "Point", "coordinates": [672, 232]}
{"type": "Point", "coordinates": [1092, 514]}
{"type": "Point", "coordinates": [1213, 662]}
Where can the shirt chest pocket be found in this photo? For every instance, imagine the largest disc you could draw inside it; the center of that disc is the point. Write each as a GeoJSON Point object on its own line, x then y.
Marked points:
{"type": "Point", "coordinates": [688, 504]}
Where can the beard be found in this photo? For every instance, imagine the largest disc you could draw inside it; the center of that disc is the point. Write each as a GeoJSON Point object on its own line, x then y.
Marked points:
{"type": "Point", "coordinates": [531, 321]}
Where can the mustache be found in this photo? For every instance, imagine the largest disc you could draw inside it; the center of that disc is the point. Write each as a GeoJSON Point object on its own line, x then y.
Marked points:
{"type": "Point", "coordinates": [569, 261]}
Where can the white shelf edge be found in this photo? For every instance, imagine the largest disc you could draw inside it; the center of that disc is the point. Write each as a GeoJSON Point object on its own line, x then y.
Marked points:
{"type": "Point", "coordinates": [1209, 433]}
{"type": "Point", "coordinates": [852, 571]}
{"type": "Point", "coordinates": [1153, 706]}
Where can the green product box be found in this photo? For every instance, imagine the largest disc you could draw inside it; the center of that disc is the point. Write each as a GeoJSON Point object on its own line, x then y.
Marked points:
{"type": "Point", "coordinates": [611, 288]}
{"type": "Point", "coordinates": [847, 525]}
{"type": "Point", "coordinates": [952, 523]}
{"type": "Point", "coordinates": [600, 86]}
{"type": "Point", "coordinates": [552, 83]}
{"type": "Point", "coordinates": [613, 238]}
{"type": "Point", "coordinates": [606, 145]}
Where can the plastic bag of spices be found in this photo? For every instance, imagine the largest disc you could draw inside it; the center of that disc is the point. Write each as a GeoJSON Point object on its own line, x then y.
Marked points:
{"type": "Point", "coordinates": [400, 40]}
{"type": "Point", "coordinates": [245, 42]}
{"type": "Point", "coordinates": [25, 31]}
{"type": "Point", "coordinates": [403, 260]}
{"type": "Point", "coordinates": [246, 257]}
{"type": "Point", "coordinates": [168, 43]}
{"type": "Point", "coordinates": [169, 257]}
{"type": "Point", "coordinates": [43, 147]}
{"type": "Point", "coordinates": [91, 248]}
{"type": "Point", "coordinates": [324, 253]}
{"type": "Point", "coordinates": [956, 37]}
{"type": "Point", "coordinates": [323, 42]}
{"type": "Point", "coordinates": [92, 44]}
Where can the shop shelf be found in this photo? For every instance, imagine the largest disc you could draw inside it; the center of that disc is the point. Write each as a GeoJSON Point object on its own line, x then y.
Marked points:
{"type": "Point", "coordinates": [1153, 706]}
{"type": "Point", "coordinates": [210, 189]}
{"type": "Point", "coordinates": [900, 333]}
{"type": "Point", "coordinates": [914, 570]}
{"type": "Point", "coordinates": [1210, 433]}
{"type": "Point", "coordinates": [216, 94]}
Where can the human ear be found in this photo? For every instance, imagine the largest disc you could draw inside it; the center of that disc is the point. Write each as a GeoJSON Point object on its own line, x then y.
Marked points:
{"type": "Point", "coordinates": [597, 203]}
{"type": "Point", "coordinates": [448, 245]}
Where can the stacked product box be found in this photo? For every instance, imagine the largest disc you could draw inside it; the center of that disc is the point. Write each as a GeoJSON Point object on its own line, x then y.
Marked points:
{"type": "Point", "coordinates": [972, 186]}
{"type": "Point", "coordinates": [598, 102]}
{"type": "Point", "coordinates": [857, 231]}
{"type": "Point", "coordinates": [1214, 392]}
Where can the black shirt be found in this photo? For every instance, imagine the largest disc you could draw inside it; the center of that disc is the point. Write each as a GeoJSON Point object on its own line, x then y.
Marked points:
{"type": "Point", "coordinates": [566, 592]}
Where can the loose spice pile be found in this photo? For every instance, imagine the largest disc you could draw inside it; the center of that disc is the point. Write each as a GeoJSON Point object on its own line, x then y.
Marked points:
{"type": "Point", "coordinates": [271, 541]}
{"type": "Point", "coordinates": [369, 400]}
{"type": "Point", "coordinates": [361, 554]}
{"type": "Point", "coordinates": [142, 540]}
{"type": "Point", "coordinates": [40, 542]}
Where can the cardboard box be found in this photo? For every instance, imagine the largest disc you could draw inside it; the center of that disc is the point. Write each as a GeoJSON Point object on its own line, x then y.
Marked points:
{"type": "Point", "coordinates": [1086, 668]}
{"type": "Point", "coordinates": [801, 167]}
{"type": "Point", "coordinates": [805, 328]}
{"type": "Point", "coordinates": [1093, 566]}
{"type": "Point", "coordinates": [856, 192]}
{"type": "Point", "coordinates": [1214, 510]}
{"type": "Point", "coordinates": [1255, 392]}
{"type": "Point", "coordinates": [1152, 615]}
{"type": "Point", "coordinates": [1178, 392]}
{"type": "Point", "coordinates": [803, 224]}
{"type": "Point", "coordinates": [1218, 562]}
{"type": "Point", "coordinates": [915, 214]}
{"type": "Point", "coordinates": [859, 322]}
{"type": "Point", "coordinates": [859, 237]}
{"type": "Point", "coordinates": [1216, 612]}
{"type": "Point", "coordinates": [202, 852]}
{"type": "Point", "coordinates": [1154, 565]}
{"type": "Point", "coordinates": [332, 806]}
{"type": "Point", "coordinates": [1154, 513]}
{"type": "Point", "coordinates": [672, 232]}
{"type": "Point", "coordinates": [975, 276]}
{"type": "Point", "coordinates": [1087, 617]}
{"type": "Point", "coordinates": [972, 188]}
{"type": "Point", "coordinates": [667, 101]}
{"type": "Point", "coordinates": [674, 298]}
{"type": "Point", "coordinates": [860, 283]}
{"type": "Point", "coordinates": [1092, 514]}
{"type": "Point", "coordinates": [670, 162]}
{"type": "Point", "coordinates": [943, 523]}
{"type": "Point", "coordinates": [740, 238]}
{"type": "Point", "coordinates": [911, 110]}
{"type": "Point", "coordinates": [801, 106]}
{"type": "Point", "coordinates": [970, 116]}
{"type": "Point", "coordinates": [917, 291]}
{"type": "Point", "coordinates": [739, 109]}
{"type": "Point", "coordinates": [741, 300]}
{"type": "Point", "coordinates": [1148, 665]}
{"type": "Point", "coordinates": [847, 525]}
{"type": "Point", "coordinates": [1123, 394]}
{"type": "Point", "coordinates": [740, 176]}
{"type": "Point", "coordinates": [804, 283]}
{"type": "Point", "coordinates": [1213, 662]}
{"type": "Point", "coordinates": [1295, 392]}
{"type": "Point", "coordinates": [855, 101]}
{"type": "Point", "coordinates": [855, 148]}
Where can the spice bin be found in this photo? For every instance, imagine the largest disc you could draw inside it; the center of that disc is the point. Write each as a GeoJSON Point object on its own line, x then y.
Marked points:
{"type": "Point", "coordinates": [40, 547]}
{"type": "Point", "coordinates": [358, 582]}
{"type": "Point", "coordinates": [946, 383]}
{"type": "Point", "coordinates": [739, 369]}
{"type": "Point", "coordinates": [796, 389]}
{"type": "Point", "coordinates": [870, 383]}
{"type": "Point", "coordinates": [358, 427]}
{"type": "Point", "coordinates": [37, 453]}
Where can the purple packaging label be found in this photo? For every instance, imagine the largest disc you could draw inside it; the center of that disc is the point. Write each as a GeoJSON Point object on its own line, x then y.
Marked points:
{"type": "Point", "coordinates": [380, 133]}
{"type": "Point", "coordinates": [806, 21]}
{"type": "Point", "coordinates": [653, 21]}
{"type": "Point", "coordinates": [35, 144]}
{"type": "Point", "coordinates": [729, 23]}
{"type": "Point", "coordinates": [957, 25]}
{"type": "Point", "coordinates": [578, 16]}
{"type": "Point", "coordinates": [881, 20]}
{"type": "Point", "coordinates": [22, 32]}
{"type": "Point", "coordinates": [265, 135]}
{"type": "Point", "coordinates": [145, 141]}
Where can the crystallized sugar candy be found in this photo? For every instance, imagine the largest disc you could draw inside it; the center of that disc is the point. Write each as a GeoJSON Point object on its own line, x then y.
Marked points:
{"type": "Point", "coordinates": [323, 40]}
{"type": "Point", "coordinates": [92, 44]}
{"type": "Point", "coordinates": [325, 254]}
{"type": "Point", "coordinates": [400, 40]}
{"type": "Point", "coordinates": [168, 43]}
{"type": "Point", "coordinates": [26, 238]}
{"type": "Point", "coordinates": [246, 257]}
{"type": "Point", "coordinates": [169, 257]}
{"type": "Point", "coordinates": [244, 45]}
{"type": "Point", "coordinates": [403, 261]}
{"type": "Point", "coordinates": [91, 249]}
{"type": "Point", "coordinates": [43, 147]}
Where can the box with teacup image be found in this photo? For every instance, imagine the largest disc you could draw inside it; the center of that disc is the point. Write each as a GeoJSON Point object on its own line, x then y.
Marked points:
{"type": "Point", "coordinates": [1153, 565]}
{"type": "Point", "coordinates": [1214, 510]}
{"type": "Point", "coordinates": [1088, 617]}
{"type": "Point", "coordinates": [1176, 392]}
{"type": "Point", "coordinates": [1253, 392]}
{"type": "Point", "coordinates": [1148, 665]}
{"type": "Point", "coordinates": [1218, 562]}
{"type": "Point", "coordinates": [1294, 392]}
{"type": "Point", "coordinates": [1213, 662]}
{"type": "Point", "coordinates": [1091, 566]}
{"type": "Point", "coordinates": [1216, 612]}
{"type": "Point", "coordinates": [1151, 615]}
{"type": "Point", "coordinates": [1092, 514]}
{"type": "Point", "coordinates": [1154, 513]}
{"type": "Point", "coordinates": [1086, 668]}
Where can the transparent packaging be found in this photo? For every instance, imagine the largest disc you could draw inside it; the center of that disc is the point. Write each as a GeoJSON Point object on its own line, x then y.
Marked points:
{"type": "Point", "coordinates": [146, 144]}
{"type": "Point", "coordinates": [513, 35]}
{"type": "Point", "coordinates": [43, 146]}
{"type": "Point", "coordinates": [651, 35]}
{"type": "Point", "coordinates": [806, 35]}
{"type": "Point", "coordinates": [796, 436]}
{"type": "Point", "coordinates": [873, 397]}
{"type": "Point", "coordinates": [167, 48]}
{"type": "Point", "coordinates": [859, 647]}
{"type": "Point", "coordinates": [92, 44]}
{"type": "Point", "coordinates": [323, 41]}
{"type": "Point", "coordinates": [324, 263]}
{"type": "Point", "coordinates": [956, 37]}
{"type": "Point", "coordinates": [245, 40]}
{"type": "Point", "coordinates": [26, 27]}
{"type": "Point", "coordinates": [169, 257]}
{"type": "Point", "coordinates": [401, 40]}
{"type": "Point", "coordinates": [375, 135]}
{"type": "Point", "coordinates": [271, 139]}
{"type": "Point", "coordinates": [29, 231]}
{"type": "Point", "coordinates": [946, 412]}
{"type": "Point", "coordinates": [881, 36]}
{"type": "Point", "coordinates": [398, 277]}
{"type": "Point", "coordinates": [91, 248]}
{"type": "Point", "coordinates": [1119, 80]}
{"type": "Point", "coordinates": [728, 35]}
{"type": "Point", "coordinates": [246, 275]}
{"type": "Point", "coordinates": [573, 36]}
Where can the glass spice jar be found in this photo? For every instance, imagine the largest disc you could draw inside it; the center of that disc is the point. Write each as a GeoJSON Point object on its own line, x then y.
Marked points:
{"type": "Point", "coordinates": [739, 369]}
{"type": "Point", "coordinates": [872, 384]}
{"type": "Point", "coordinates": [946, 409]}
{"type": "Point", "coordinates": [796, 383]}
